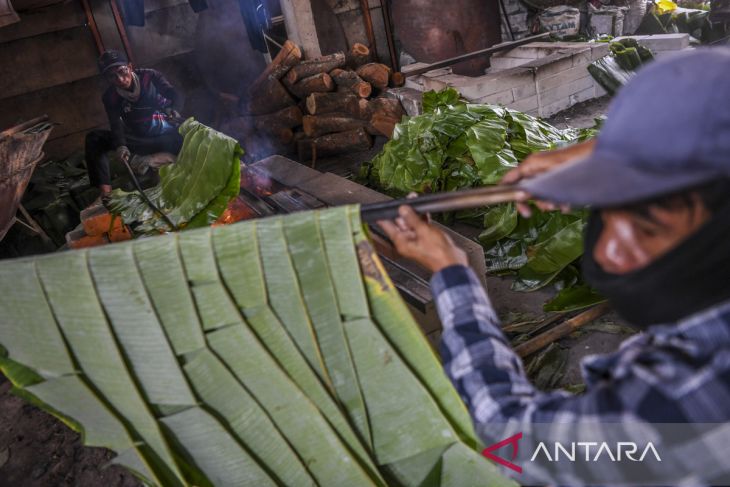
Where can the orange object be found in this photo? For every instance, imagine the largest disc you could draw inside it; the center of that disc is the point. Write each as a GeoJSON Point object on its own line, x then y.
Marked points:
{"type": "Point", "coordinates": [81, 241]}
{"type": "Point", "coordinates": [120, 235]}
{"type": "Point", "coordinates": [97, 220]}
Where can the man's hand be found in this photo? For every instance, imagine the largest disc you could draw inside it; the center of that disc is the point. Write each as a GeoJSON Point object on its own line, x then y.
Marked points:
{"type": "Point", "coordinates": [422, 242]}
{"type": "Point", "coordinates": [123, 153]}
{"type": "Point", "coordinates": [541, 162]}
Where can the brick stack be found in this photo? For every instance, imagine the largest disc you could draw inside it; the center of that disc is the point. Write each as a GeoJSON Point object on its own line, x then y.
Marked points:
{"type": "Point", "coordinates": [98, 227]}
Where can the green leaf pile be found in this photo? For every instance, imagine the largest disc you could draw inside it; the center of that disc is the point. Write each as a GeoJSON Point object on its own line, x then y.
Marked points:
{"type": "Point", "coordinates": [194, 191]}
{"type": "Point", "coordinates": [456, 145]}
{"type": "Point", "coordinates": [269, 352]}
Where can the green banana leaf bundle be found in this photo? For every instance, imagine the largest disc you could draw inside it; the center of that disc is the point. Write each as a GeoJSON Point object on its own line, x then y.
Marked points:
{"type": "Point", "coordinates": [194, 191]}
{"type": "Point", "coordinates": [456, 145]}
{"type": "Point", "coordinates": [615, 69]}
{"type": "Point", "coordinates": [269, 352]}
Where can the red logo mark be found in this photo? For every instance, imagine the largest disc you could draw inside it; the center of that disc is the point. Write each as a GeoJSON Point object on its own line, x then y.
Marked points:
{"type": "Point", "coordinates": [512, 440]}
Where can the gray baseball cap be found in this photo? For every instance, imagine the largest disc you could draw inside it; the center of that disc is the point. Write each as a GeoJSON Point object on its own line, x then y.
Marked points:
{"type": "Point", "coordinates": [667, 130]}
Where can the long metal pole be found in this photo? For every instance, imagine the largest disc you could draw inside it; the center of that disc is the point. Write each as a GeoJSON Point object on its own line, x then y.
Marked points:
{"type": "Point", "coordinates": [465, 57]}
{"type": "Point", "coordinates": [442, 202]}
{"type": "Point", "coordinates": [365, 6]}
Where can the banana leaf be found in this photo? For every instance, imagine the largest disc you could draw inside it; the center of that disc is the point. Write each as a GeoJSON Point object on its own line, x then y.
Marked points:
{"type": "Point", "coordinates": [187, 356]}
{"type": "Point", "coordinates": [456, 145]}
{"type": "Point", "coordinates": [194, 191]}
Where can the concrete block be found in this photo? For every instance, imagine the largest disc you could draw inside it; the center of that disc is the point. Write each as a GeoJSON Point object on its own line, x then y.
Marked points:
{"type": "Point", "coordinates": [414, 82]}
{"type": "Point", "coordinates": [436, 84]}
{"type": "Point", "coordinates": [662, 42]}
{"type": "Point", "coordinates": [582, 57]}
{"type": "Point", "coordinates": [502, 63]}
{"type": "Point", "coordinates": [551, 65]}
{"type": "Point", "coordinates": [598, 50]}
{"type": "Point", "coordinates": [524, 91]}
{"type": "Point", "coordinates": [581, 96]}
{"type": "Point", "coordinates": [437, 72]}
{"type": "Point", "coordinates": [567, 76]}
{"type": "Point", "coordinates": [553, 108]}
{"type": "Point", "coordinates": [411, 99]}
{"type": "Point", "coordinates": [411, 67]}
{"type": "Point", "coordinates": [475, 88]}
{"type": "Point", "coordinates": [502, 98]}
{"type": "Point", "coordinates": [526, 105]}
{"type": "Point", "coordinates": [548, 97]}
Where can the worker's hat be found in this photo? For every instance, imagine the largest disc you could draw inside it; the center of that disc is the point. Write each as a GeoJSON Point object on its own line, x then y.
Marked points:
{"type": "Point", "coordinates": [667, 130]}
{"type": "Point", "coordinates": [111, 59]}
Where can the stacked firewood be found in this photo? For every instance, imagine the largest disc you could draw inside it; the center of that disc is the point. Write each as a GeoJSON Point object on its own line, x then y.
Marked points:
{"type": "Point", "coordinates": [318, 107]}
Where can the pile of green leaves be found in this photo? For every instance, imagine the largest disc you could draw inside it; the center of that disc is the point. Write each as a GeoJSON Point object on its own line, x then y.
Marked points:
{"type": "Point", "coordinates": [269, 352]}
{"type": "Point", "coordinates": [456, 145]}
{"type": "Point", "coordinates": [615, 69]}
{"type": "Point", "coordinates": [194, 191]}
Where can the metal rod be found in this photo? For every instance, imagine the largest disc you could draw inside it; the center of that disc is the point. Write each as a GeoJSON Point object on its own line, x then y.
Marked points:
{"type": "Point", "coordinates": [146, 198]}
{"type": "Point", "coordinates": [92, 25]}
{"type": "Point", "coordinates": [368, 20]}
{"type": "Point", "coordinates": [394, 61]}
{"type": "Point", "coordinates": [506, 20]}
{"type": "Point", "coordinates": [465, 57]}
{"type": "Point", "coordinates": [442, 202]}
{"type": "Point", "coordinates": [122, 31]}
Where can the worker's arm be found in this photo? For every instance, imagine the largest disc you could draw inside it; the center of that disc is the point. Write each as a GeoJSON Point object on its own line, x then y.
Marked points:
{"type": "Point", "coordinates": [490, 377]}
{"type": "Point", "coordinates": [165, 88]}
{"type": "Point", "coordinates": [114, 114]}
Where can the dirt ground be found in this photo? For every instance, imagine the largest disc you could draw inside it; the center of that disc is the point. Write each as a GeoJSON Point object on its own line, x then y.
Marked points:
{"type": "Point", "coordinates": [36, 450]}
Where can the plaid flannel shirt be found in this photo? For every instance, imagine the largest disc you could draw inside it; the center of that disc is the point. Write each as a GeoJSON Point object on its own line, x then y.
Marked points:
{"type": "Point", "coordinates": [678, 373]}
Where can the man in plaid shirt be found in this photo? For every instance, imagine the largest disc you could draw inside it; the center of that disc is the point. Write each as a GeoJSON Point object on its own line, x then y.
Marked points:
{"type": "Point", "coordinates": [657, 245]}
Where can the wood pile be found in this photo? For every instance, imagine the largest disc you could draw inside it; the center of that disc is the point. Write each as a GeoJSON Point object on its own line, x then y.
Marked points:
{"type": "Point", "coordinates": [319, 107]}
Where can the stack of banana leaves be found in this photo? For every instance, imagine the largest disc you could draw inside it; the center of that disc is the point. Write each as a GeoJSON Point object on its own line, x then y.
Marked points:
{"type": "Point", "coordinates": [456, 145]}
{"type": "Point", "coordinates": [193, 192]}
{"type": "Point", "coordinates": [268, 352]}
{"type": "Point", "coordinates": [615, 69]}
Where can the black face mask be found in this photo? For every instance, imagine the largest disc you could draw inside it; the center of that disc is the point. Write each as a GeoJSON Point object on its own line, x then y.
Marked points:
{"type": "Point", "coordinates": [689, 278]}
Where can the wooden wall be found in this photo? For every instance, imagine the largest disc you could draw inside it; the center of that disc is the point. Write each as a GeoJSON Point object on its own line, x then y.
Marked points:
{"type": "Point", "coordinates": [48, 61]}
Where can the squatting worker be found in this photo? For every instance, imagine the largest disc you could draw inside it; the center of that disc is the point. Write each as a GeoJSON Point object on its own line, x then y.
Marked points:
{"type": "Point", "coordinates": [142, 107]}
{"type": "Point", "coordinates": [657, 245]}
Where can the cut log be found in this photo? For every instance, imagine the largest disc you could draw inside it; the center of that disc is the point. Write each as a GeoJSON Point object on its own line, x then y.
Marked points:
{"type": "Point", "coordinates": [360, 108]}
{"type": "Point", "coordinates": [324, 64]}
{"type": "Point", "coordinates": [318, 83]}
{"type": "Point", "coordinates": [386, 113]}
{"type": "Point", "coordinates": [382, 125]}
{"type": "Point", "coordinates": [319, 103]}
{"type": "Point", "coordinates": [332, 144]}
{"type": "Point", "coordinates": [359, 54]}
{"type": "Point", "coordinates": [350, 82]}
{"type": "Point", "coordinates": [288, 117]}
{"type": "Point", "coordinates": [318, 125]}
{"type": "Point", "coordinates": [280, 135]}
{"type": "Point", "coordinates": [376, 74]}
{"type": "Point", "coordinates": [269, 98]}
{"type": "Point", "coordinates": [289, 55]}
{"type": "Point", "coordinates": [397, 79]}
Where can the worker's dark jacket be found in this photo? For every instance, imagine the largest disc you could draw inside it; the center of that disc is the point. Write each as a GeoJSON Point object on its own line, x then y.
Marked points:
{"type": "Point", "coordinates": [146, 117]}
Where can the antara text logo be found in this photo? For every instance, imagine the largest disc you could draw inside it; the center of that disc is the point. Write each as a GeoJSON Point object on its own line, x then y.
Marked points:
{"type": "Point", "coordinates": [582, 451]}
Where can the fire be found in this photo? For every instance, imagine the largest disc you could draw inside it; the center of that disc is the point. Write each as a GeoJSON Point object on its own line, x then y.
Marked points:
{"type": "Point", "coordinates": [236, 211]}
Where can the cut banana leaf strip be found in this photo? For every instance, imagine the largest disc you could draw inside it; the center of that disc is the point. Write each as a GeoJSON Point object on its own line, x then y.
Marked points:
{"type": "Point", "coordinates": [28, 329]}
{"type": "Point", "coordinates": [220, 390]}
{"type": "Point", "coordinates": [136, 326]}
{"type": "Point", "coordinates": [397, 325]}
{"type": "Point", "coordinates": [422, 470]}
{"type": "Point", "coordinates": [463, 467]}
{"type": "Point", "coordinates": [281, 281]}
{"type": "Point", "coordinates": [307, 251]}
{"type": "Point", "coordinates": [223, 461]}
{"type": "Point", "coordinates": [404, 419]}
{"type": "Point", "coordinates": [343, 264]}
{"type": "Point", "coordinates": [161, 268]}
{"type": "Point", "coordinates": [70, 397]}
{"type": "Point", "coordinates": [319, 447]}
{"type": "Point", "coordinates": [90, 338]}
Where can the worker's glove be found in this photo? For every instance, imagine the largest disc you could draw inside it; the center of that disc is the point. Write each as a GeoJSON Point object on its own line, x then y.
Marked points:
{"type": "Point", "coordinates": [123, 153]}
{"type": "Point", "coordinates": [173, 115]}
